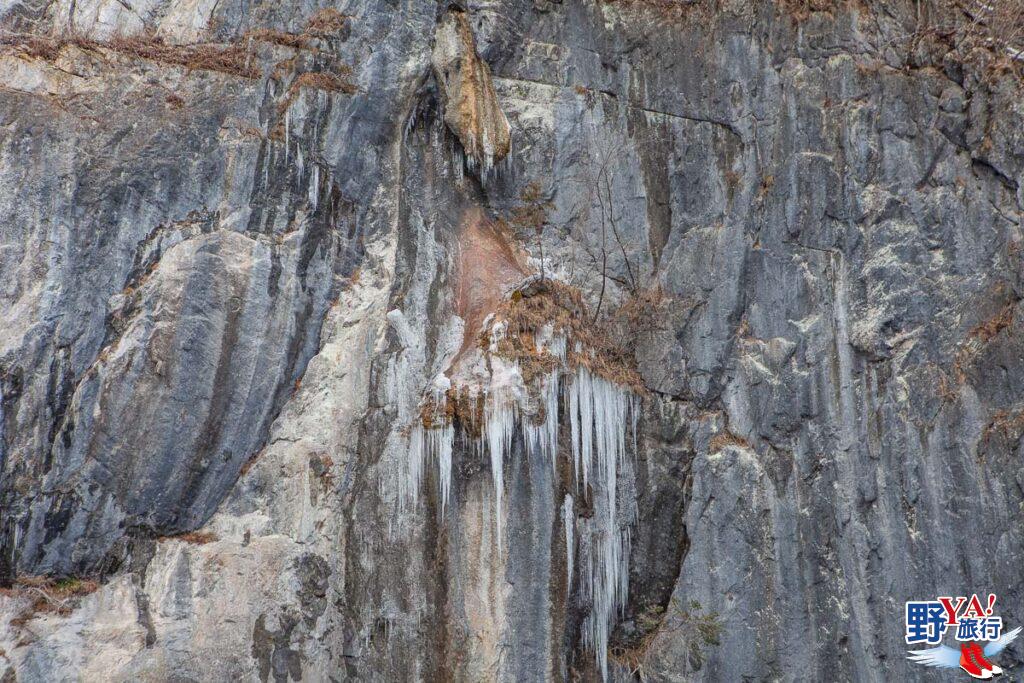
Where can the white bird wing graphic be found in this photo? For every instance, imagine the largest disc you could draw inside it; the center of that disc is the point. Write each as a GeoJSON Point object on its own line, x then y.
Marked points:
{"type": "Point", "coordinates": [999, 644]}
{"type": "Point", "coordinates": [942, 657]}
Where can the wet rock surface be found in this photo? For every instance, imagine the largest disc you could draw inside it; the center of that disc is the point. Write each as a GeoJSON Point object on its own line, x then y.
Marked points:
{"type": "Point", "coordinates": [225, 294]}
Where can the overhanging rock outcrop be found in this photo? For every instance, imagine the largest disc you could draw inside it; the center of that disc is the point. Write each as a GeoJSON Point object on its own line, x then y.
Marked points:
{"type": "Point", "coordinates": [471, 108]}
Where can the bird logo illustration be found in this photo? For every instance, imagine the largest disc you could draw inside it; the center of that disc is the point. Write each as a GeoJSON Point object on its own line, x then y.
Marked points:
{"type": "Point", "coordinates": [972, 658]}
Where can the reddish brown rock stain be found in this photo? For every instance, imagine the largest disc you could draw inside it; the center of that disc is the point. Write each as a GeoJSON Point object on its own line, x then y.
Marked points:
{"type": "Point", "coordinates": [488, 265]}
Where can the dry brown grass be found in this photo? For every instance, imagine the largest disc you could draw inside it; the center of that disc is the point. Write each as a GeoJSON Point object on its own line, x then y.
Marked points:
{"type": "Point", "coordinates": [297, 41]}
{"type": "Point", "coordinates": [193, 537]}
{"type": "Point", "coordinates": [689, 625]}
{"type": "Point", "coordinates": [33, 47]}
{"type": "Point", "coordinates": [323, 80]}
{"type": "Point", "coordinates": [318, 80]}
{"type": "Point", "coordinates": [231, 59]}
{"type": "Point", "coordinates": [326, 23]}
{"type": "Point", "coordinates": [48, 595]}
{"type": "Point", "coordinates": [727, 438]}
{"type": "Point", "coordinates": [604, 344]}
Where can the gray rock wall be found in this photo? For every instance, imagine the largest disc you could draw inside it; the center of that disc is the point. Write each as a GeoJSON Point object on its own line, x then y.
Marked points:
{"type": "Point", "coordinates": [225, 296]}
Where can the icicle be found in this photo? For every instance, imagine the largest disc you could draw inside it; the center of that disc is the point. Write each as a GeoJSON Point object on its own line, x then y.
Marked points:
{"type": "Point", "coordinates": [602, 423]}
{"type": "Point", "coordinates": [542, 439]}
{"type": "Point", "coordinates": [287, 135]}
{"type": "Point", "coordinates": [314, 188]}
{"type": "Point", "coordinates": [410, 123]}
{"type": "Point", "coordinates": [410, 483]}
{"type": "Point", "coordinates": [442, 446]}
{"type": "Point", "coordinates": [499, 422]}
{"type": "Point", "coordinates": [569, 519]}
{"type": "Point", "coordinates": [600, 414]}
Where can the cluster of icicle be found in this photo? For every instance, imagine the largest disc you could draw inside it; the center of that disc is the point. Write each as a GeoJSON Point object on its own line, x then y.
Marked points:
{"type": "Point", "coordinates": [441, 139]}
{"type": "Point", "coordinates": [600, 413]}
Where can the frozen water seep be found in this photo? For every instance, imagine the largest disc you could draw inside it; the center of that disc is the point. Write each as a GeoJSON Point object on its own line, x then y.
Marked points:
{"type": "Point", "coordinates": [569, 520]}
{"type": "Point", "coordinates": [425, 445]}
{"type": "Point", "coordinates": [314, 188]}
{"type": "Point", "coordinates": [599, 413]}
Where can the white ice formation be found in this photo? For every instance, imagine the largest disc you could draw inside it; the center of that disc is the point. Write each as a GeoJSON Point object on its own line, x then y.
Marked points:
{"type": "Point", "coordinates": [600, 413]}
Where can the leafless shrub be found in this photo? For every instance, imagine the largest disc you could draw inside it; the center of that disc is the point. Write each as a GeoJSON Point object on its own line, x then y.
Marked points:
{"type": "Point", "coordinates": [595, 178]}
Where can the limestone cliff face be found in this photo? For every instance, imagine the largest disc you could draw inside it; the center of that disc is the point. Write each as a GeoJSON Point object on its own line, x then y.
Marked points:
{"type": "Point", "coordinates": [244, 242]}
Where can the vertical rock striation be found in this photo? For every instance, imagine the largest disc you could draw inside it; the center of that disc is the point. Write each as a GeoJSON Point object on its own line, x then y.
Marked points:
{"type": "Point", "coordinates": [243, 242]}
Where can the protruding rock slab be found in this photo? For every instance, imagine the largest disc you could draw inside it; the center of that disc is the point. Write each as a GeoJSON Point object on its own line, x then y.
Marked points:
{"type": "Point", "coordinates": [471, 107]}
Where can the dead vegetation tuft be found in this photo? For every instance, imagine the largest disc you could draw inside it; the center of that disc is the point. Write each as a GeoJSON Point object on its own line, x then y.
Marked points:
{"type": "Point", "coordinates": [48, 595]}
{"type": "Point", "coordinates": [297, 41]}
{"type": "Point", "coordinates": [193, 537]}
{"type": "Point", "coordinates": [727, 438]}
{"type": "Point", "coordinates": [980, 336]}
{"type": "Point", "coordinates": [326, 22]}
{"type": "Point", "coordinates": [987, 33]}
{"type": "Point", "coordinates": [324, 80]}
{"type": "Point", "coordinates": [604, 346]}
{"type": "Point", "coordinates": [33, 47]}
{"type": "Point", "coordinates": [1006, 423]}
{"type": "Point", "coordinates": [230, 59]}
{"type": "Point", "coordinates": [318, 80]}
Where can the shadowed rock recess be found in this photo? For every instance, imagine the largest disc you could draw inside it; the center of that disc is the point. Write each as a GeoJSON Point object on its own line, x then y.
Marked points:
{"type": "Point", "coordinates": [507, 340]}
